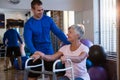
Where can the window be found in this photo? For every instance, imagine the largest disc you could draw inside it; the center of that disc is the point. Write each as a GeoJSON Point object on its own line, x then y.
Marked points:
{"type": "Point", "coordinates": [69, 19]}
{"type": "Point", "coordinates": [108, 25]}
{"type": "Point", "coordinates": [2, 20]}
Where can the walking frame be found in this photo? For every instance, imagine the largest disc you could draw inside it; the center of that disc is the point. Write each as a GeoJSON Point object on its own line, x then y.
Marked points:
{"type": "Point", "coordinates": [53, 72]}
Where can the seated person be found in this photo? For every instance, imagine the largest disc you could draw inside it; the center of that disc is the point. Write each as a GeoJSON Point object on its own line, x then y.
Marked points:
{"type": "Point", "coordinates": [76, 51]}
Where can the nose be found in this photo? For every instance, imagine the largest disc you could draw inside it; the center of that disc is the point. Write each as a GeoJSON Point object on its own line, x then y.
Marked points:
{"type": "Point", "coordinates": [40, 11]}
{"type": "Point", "coordinates": [67, 34]}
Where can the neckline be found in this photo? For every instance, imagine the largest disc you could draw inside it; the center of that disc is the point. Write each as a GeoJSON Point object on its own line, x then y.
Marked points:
{"type": "Point", "coordinates": [75, 49]}
{"type": "Point", "coordinates": [37, 19]}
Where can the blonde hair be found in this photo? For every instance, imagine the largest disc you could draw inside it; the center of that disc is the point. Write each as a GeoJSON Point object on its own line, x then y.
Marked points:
{"type": "Point", "coordinates": [79, 29]}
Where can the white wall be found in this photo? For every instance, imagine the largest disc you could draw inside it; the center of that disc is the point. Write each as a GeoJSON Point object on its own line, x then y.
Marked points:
{"type": "Point", "coordinates": [89, 16]}
{"type": "Point", "coordinates": [24, 4]}
{"type": "Point", "coordinates": [75, 5]}
{"type": "Point", "coordinates": [96, 21]}
{"type": "Point", "coordinates": [86, 18]}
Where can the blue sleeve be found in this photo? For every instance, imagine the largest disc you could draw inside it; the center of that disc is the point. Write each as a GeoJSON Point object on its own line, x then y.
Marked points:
{"type": "Point", "coordinates": [28, 38]}
{"type": "Point", "coordinates": [19, 38]}
{"type": "Point", "coordinates": [54, 28]}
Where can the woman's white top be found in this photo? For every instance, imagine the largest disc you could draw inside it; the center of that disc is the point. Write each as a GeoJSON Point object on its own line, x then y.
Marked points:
{"type": "Point", "coordinates": [80, 69]}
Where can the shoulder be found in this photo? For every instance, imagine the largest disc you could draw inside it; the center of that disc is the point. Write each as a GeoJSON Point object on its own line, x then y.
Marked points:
{"type": "Point", "coordinates": [83, 45]}
{"type": "Point", "coordinates": [13, 30]}
{"type": "Point", "coordinates": [29, 20]}
{"type": "Point", "coordinates": [64, 49]}
{"type": "Point", "coordinates": [65, 46]}
{"type": "Point", "coordinates": [47, 18]}
{"type": "Point", "coordinates": [84, 48]}
{"type": "Point", "coordinates": [6, 32]}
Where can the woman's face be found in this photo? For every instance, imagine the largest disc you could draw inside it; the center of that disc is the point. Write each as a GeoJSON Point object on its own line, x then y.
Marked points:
{"type": "Point", "coordinates": [72, 35]}
{"type": "Point", "coordinates": [37, 11]}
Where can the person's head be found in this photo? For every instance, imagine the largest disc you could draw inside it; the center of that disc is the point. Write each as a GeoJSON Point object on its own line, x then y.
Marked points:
{"type": "Point", "coordinates": [9, 26]}
{"type": "Point", "coordinates": [37, 9]}
{"type": "Point", "coordinates": [75, 32]}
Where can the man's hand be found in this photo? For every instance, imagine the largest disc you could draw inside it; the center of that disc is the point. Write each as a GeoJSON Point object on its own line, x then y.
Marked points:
{"type": "Point", "coordinates": [37, 55]}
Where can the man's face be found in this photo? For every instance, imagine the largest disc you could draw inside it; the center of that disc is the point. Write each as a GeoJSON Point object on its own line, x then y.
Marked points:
{"type": "Point", "coordinates": [37, 11]}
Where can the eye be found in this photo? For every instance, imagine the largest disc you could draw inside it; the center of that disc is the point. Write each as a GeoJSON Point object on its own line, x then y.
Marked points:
{"type": "Point", "coordinates": [69, 32]}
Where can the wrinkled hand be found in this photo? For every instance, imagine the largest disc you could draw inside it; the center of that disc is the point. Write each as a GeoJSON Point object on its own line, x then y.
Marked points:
{"type": "Point", "coordinates": [64, 59]}
{"type": "Point", "coordinates": [37, 55]}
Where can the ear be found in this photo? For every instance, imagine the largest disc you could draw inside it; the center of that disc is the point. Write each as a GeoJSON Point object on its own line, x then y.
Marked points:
{"type": "Point", "coordinates": [78, 36]}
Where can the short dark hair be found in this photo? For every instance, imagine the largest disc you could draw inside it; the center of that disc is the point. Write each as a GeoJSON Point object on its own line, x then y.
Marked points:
{"type": "Point", "coordinates": [34, 2]}
{"type": "Point", "coordinates": [7, 25]}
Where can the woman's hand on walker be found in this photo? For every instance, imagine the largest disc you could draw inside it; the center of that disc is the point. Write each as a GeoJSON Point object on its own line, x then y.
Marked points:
{"type": "Point", "coordinates": [37, 55]}
{"type": "Point", "coordinates": [64, 59]}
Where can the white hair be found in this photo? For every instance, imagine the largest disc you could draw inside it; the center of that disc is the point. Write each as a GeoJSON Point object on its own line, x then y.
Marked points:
{"type": "Point", "coordinates": [79, 29]}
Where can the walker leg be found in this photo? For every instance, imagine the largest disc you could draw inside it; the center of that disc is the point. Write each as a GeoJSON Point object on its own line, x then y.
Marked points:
{"type": "Point", "coordinates": [43, 76]}
{"type": "Point", "coordinates": [54, 76]}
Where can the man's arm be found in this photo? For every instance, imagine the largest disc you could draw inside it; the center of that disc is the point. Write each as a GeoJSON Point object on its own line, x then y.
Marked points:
{"type": "Point", "coordinates": [28, 38]}
{"type": "Point", "coordinates": [19, 38]}
{"type": "Point", "coordinates": [54, 28]}
{"type": "Point", "coordinates": [4, 39]}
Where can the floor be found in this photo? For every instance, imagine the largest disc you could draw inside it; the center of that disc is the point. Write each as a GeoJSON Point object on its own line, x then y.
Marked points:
{"type": "Point", "coordinates": [12, 74]}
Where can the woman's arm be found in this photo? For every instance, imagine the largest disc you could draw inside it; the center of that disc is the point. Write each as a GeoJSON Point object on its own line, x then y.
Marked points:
{"type": "Point", "coordinates": [76, 59]}
{"type": "Point", "coordinates": [53, 57]}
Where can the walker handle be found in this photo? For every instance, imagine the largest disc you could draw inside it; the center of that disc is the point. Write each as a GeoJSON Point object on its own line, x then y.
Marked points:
{"type": "Point", "coordinates": [32, 66]}
{"type": "Point", "coordinates": [67, 68]}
